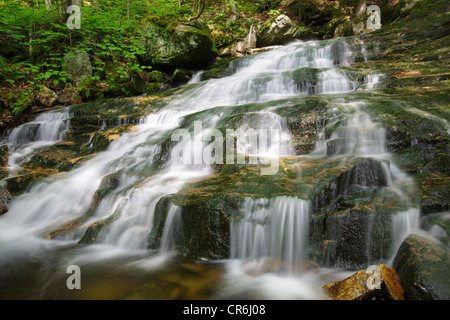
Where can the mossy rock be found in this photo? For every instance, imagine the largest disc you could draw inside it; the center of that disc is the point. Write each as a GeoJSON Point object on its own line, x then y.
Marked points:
{"type": "Point", "coordinates": [20, 183]}
{"type": "Point", "coordinates": [203, 232]}
{"type": "Point", "coordinates": [3, 156]}
{"type": "Point", "coordinates": [423, 268]}
{"type": "Point", "coordinates": [178, 47]}
{"type": "Point", "coordinates": [78, 66]}
{"type": "Point", "coordinates": [5, 197]}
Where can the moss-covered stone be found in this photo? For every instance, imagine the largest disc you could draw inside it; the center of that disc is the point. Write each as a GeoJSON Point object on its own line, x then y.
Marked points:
{"type": "Point", "coordinates": [178, 47]}
{"type": "Point", "coordinates": [423, 268]}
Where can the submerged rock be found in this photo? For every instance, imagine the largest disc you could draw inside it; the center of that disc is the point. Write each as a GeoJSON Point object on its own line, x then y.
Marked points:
{"type": "Point", "coordinates": [380, 284]}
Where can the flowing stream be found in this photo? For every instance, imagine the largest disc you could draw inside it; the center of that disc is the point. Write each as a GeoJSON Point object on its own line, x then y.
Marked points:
{"type": "Point", "coordinates": [271, 228]}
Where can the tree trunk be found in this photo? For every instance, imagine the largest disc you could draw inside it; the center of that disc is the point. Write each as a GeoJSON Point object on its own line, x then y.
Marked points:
{"type": "Point", "coordinates": [128, 11]}
{"type": "Point", "coordinates": [361, 8]}
{"type": "Point", "coordinates": [49, 5]}
{"type": "Point", "coordinates": [67, 3]}
{"type": "Point", "coordinates": [197, 7]}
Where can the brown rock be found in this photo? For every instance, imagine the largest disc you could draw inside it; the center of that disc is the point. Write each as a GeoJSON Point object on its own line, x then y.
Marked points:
{"type": "Point", "coordinates": [47, 97]}
{"type": "Point", "coordinates": [65, 98]}
{"type": "Point", "coordinates": [357, 286]}
{"type": "Point", "coordinates": [392, 282]}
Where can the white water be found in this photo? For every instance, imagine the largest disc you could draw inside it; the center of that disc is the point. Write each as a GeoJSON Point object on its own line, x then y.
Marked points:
{"type": "Point", "coordinates": [270, 228]}
{"type": "Point", "coordinates": [45, 130]}
{"type": "Point", "coordinates": [275, 228]}
{"type": "Point", "coordinates": [358, 136]}
{"type": "Point", "coordinates": [196, 78]}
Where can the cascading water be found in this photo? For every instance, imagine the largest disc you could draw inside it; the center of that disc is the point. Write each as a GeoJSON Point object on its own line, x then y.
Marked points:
{"type": "Point", "coordinates": [45, 130]}
{"type": "Point", "coordinates": [272, 228]}
{"type": "Point", "coordinates": [356, 135]}
{"type": "Point", "coordinates": [196, 77]}
{"type": "Point", "coordinates": [275, 227]}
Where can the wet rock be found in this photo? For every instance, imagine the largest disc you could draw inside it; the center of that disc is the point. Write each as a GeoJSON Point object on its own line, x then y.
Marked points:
{"type": "Point", "coordinates": [352, 238]}
{"type": "Point", "coordinates": [351, 225]}
{"type": "Point", "coordinates": [438, 225]}
{"type": "Point", "coordinates": [5, 196]}
{"type": "Point", "coordinates": [56, 157]}
{"type": "Point", "coordinates": [109, 183]}
{"type": "Point", "coordinates": [181, 76]}
{"type": "Point", "coordinates": [423, 266]}
{"type": "Point", "coordinates": [3, 156]}
{"type": "Point", "coordinates": [20, 183]}
{"type": "Point", "coordinates": [365, 174]}
{"type": "Point", "coordinates": [204, 225]}
{"type": "Point", "coordinates": [380, 284]}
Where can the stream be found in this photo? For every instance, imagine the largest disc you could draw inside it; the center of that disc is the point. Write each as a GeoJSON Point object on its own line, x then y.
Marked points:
{"type": "Point", "coordinates": [269, 245]}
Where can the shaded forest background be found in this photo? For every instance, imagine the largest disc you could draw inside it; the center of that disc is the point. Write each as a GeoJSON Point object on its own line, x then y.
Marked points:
{"type": "Point", "coordinates": [34, 38]}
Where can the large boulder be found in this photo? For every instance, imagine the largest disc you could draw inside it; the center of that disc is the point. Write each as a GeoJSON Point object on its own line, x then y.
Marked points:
{"type": "Point", "coordinates": [423, 266]}
{"type": "Point", "coordinates": [77, 65]}
{"type": "Point", "coordinates": [185, 46]}
{"type": "Point", "coordinates": [282, 30]}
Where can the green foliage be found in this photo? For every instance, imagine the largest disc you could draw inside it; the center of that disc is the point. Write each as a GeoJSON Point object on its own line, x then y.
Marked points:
{"type": "Point", "coordinates": [21, 101]}
{"type": "Point", "coordinates": [37, 40]}
{"type": "Point", "coordinates": [34, 40]}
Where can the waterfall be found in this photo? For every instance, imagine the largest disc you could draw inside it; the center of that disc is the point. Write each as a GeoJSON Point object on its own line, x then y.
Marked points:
{"type": "Point", "coordinates": [270, 227]}
{"type": "Point", "coordinates": [196, 78]}
{"type": "Point", "coordinates": [251, 38]}
{"type": "Point", "coordinates": [171, 227]}
{"type": "Point", "coordinates": [46, 129]}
